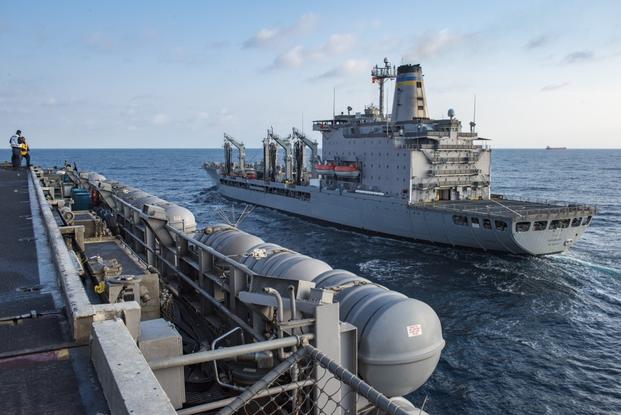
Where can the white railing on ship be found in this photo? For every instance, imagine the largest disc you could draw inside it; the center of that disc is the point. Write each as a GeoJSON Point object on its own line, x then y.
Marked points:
{"type": "Point", "coordinates": [553, 202]}
{"type": "Point", "coordinates": [488, 209]}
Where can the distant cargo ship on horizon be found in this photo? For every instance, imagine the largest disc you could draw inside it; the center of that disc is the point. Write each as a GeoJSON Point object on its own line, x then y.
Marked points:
{"type": "Point", "coordinates": [555, 148]}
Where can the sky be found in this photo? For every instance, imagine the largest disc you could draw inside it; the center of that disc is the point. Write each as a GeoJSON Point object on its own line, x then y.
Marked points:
{"type": "Point", "coordinates": [162, 74]}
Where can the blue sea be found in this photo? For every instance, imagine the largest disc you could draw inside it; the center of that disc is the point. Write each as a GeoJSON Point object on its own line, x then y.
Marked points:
{"type": "Point", "coordinates": [524, 335]}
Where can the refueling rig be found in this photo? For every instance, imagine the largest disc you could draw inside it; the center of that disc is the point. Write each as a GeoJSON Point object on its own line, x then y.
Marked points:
{"type": "Point", "coordinates": [293, 169]}
{"type": "Point", "coordinates": [212, 320]}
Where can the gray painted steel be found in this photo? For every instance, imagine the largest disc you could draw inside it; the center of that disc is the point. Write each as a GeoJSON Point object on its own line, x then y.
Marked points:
{"type": "Point", "coordinates": [129, 385]}
{"type": "Point", "coordinates": [395, 368]}
{"type": "Point", "coordinates": [432, 223]}
{"type": "Point", "coordinates": [416, 178]}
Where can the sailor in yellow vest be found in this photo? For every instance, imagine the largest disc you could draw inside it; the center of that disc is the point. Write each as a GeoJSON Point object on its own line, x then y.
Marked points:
{"type": "Point", "coordinates": [24, 150]}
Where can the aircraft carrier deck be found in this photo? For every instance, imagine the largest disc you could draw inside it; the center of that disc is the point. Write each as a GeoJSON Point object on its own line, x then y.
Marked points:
{"type": "Point", "coordinates": [42, 368]}
{"type": "Point", "coordinates": [112, 302]}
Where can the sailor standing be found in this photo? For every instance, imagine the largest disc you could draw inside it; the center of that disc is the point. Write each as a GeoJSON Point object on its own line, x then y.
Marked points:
{"type": "Point", "coordinates": [24, 150]}
{"type": "Point", "coordinates": [16, 156]}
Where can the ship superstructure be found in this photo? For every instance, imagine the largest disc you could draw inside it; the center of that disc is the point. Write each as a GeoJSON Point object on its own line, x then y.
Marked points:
{"type": "Point", "coordinates": [403, 175]}
{"type": "Point", "coordinates": [409, 155]}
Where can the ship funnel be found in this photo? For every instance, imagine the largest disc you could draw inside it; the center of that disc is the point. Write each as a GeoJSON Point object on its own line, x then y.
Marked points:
{"type": "Point", "coordinates": [409, 100]}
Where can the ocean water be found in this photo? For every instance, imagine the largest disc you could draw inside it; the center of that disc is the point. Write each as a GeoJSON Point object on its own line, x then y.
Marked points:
{"type": "Point", "coordinates": [524, 335]}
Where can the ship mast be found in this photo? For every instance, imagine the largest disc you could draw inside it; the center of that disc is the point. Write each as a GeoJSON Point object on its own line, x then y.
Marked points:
{"type": "Point", "coordinates": [381, 74]}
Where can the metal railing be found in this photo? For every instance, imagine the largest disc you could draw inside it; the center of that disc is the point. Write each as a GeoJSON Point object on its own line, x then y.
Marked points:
{"type": "Point", "coordinates": [435, 181]}
{"type": "Point", "coordinates": [448, 172]}
{"type": "Point", "coordinates": [458, 147]}
{"type": "Point", "coordinates": [326, 388]}
{"type": "Point", "coordinates": [543, 201]}
{"type": "Point", "coordinates": [505, 208]}
{"type": "Point", "coordinates": [306, 381]}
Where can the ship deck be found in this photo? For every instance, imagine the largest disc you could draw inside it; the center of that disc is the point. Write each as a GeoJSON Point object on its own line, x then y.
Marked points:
{"type": "Point", "coordinates": [509, 207]}
{"type": "Point", "coordinates": [41, 369]}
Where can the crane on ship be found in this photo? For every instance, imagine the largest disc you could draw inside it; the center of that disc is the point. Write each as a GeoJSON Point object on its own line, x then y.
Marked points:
{"type": "Point", "coordinates": [312, 144]}
{"type": "Point", "coordinates": [241, 148]}
{"type": "Point", "coordinates": [285, 143]}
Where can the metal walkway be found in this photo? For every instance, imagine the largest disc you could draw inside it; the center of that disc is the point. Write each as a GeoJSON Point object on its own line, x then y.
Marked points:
{"type": "Point", "coordinates": [509, 207]}
{"type": "Point", "coordinates": [41, 370]}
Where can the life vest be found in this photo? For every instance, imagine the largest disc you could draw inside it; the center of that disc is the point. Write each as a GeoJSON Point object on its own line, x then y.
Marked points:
{"type": "Point", "coordinates": [24, 149]}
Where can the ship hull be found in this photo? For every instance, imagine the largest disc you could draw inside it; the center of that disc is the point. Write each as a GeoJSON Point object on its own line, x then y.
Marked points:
{"type": "Point", "coordinates": [396, 218]}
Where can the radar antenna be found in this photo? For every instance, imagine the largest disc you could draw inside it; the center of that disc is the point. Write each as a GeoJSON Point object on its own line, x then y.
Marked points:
{"type": "Point", "coordinates": [473, 123]}
{"type": "Point", "coordinates": [381, 74]}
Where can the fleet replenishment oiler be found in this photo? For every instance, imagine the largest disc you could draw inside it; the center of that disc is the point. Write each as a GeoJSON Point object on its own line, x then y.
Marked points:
{"type": "Point", "coordinates": [403, 175]}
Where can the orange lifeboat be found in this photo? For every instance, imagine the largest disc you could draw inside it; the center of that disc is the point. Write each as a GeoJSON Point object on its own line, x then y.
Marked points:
{"type": "Point", "coordinates": [350, 171]}
{"type": "Point", "coordinates": [325, 169]}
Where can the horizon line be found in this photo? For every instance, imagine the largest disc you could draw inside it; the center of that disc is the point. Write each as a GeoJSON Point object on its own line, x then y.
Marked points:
{"type": "Point", "coordinates": [259, 148]}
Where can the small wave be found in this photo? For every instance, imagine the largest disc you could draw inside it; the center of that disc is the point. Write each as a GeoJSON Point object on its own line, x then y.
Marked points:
{"type": "Point", "coordinates": [603, 268]}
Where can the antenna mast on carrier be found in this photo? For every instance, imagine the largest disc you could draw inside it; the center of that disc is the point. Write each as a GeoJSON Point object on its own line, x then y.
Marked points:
{"type": "Point", "coordinates": [381, 74]}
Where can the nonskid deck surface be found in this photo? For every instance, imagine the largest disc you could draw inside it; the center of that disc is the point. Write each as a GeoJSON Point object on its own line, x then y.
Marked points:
{"type": "Point", "coordinates": [503, 207]}
{"type": "Point", "coordinates": [41, 369]}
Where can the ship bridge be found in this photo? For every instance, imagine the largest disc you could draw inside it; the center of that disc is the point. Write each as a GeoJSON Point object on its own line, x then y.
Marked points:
{"type": "Point", "coordinates": [407, 154]}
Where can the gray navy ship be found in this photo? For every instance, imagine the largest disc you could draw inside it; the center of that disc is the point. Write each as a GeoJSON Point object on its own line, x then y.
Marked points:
{"type": "Point", "coordinates": [402, 175]}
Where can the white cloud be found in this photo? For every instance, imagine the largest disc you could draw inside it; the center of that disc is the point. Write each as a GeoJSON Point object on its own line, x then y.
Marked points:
{"type": "Point", "coordinates": [63, 102]}
{"type": "Point", "coordinates": [292, 58]}
{"type": "Point", "coordinates": [554, 87]}
{"type": "Point", "coordinates": [337, 44]}
{"type": "Point", "coordinates": [200, 116]}
{"type": "Point", "coordinates": [196, 121]}
{"type": "Point", "coordinates": [138, 109]}
{"type": "Point", "coordinates": [160, 119]}
{"type": "Point", "coordinates": [434, 44]}
{"type": "Point", "coordinates": [579, 56]}
{"type": "Point", "coordinates": [224, 116]}
{"type": "Point", "coordinates": [201, 119]}
{"type": "Point", "coordinates": [537, 42]}
{"type": "Point", "coordinates": [348, 68]}
{"type": "Point", "coordinates": [438, 42]}
{"type": "Point", "coordinates": [262, 38]}
{"type": "Point", "coordinates": [368, 24]}
{"type": "Point", "coordinates": [269, 36]}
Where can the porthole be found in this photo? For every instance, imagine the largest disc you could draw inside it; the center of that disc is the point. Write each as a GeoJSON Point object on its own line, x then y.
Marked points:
{"type": "Point", "coordinates": [522, 226]}
{"type": "Point", "coordinates": [500, 225]}
{"type": "Point", "coordinates": [460, 220]}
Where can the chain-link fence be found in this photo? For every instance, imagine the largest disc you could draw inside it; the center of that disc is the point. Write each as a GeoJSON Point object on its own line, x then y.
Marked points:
{"type": "Point", "coordinates": [308, 382]}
